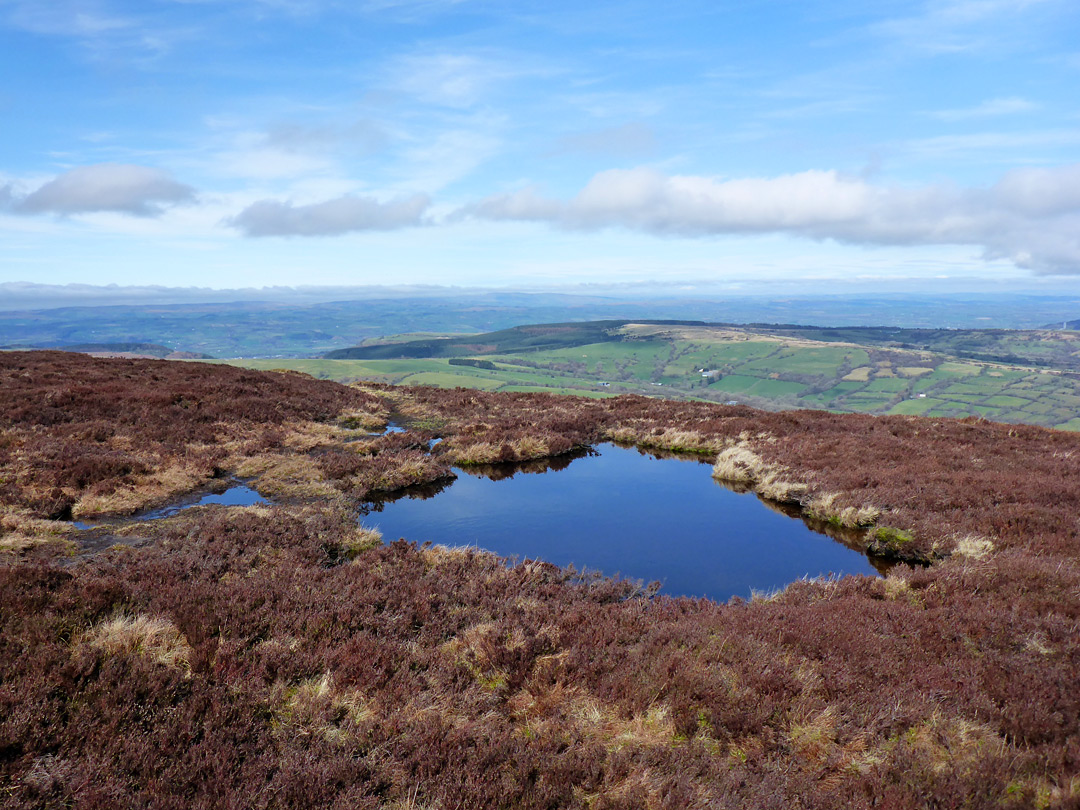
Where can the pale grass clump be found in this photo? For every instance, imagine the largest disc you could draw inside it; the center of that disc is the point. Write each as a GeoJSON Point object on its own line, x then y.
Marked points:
{"type": "Point", "coordinates": [156, 638]}
{"type": "Point", "coordinates": [776, 488]}
{"type": "Point", "coordinates": [147, 490]}
{"type": "Point", "coordinates": [360, 540]}
{"type": "Point", "coordinates": [20, 531]}
{"type": "Point", "coordinates": [679, 441]}
{"type": "Point", "coordinates": [897, 587]}
{"type": "Point", "coordinates": [1037, 643]}
{"type": "Point", "coordinates": [434, 556]}
{"type": "Point", "coordinates": [278, 475]}
{"type": "Point", "coordinates": [588, 713]}
{"type": "Point", "coordinates": [625, 435]}
{"type": "Point", "coordinates": [812, 738]}
{"type": "Point", "coordinates": [641, 788]}
{"type": "Point", "coordinates": [477, 453]}
{"type": "Point", "coordinates": [472, 650]}
{"type": "Point", "coordinates": [825, 507]}
{"type": "Point", "coordinates": [316, 707]}
{"type": "Point", "coordinates": [304, 437]}
{"type": "Point", "coordinates": [367, 420]}
{"type": "Point", "coordinates": [530, 447]}
{"type": "Point", "coordinates": [740, 464]}
{"type": "Point", "coordinates": [655, 727]}
{"type": "Point", "coordinates": [411, 801]}
{"type": "Point", "coordinates": [953, 743]}
{"type": "Point", "coordinates": [1041, 793]}
{"type": "Point", "coordinates": [815, 742]}
{"type": "Point", "coordinates": [688, 441]}
{"type": "Point", "coordinates": [973, 547]}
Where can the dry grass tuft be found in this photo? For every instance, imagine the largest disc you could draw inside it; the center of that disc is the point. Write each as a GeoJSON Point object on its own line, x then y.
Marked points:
{"type": "Point", "coordinates": [674, 439]}
{"type": "Point", "coordinates": [530, 447]}
{"type": "Point", "coordinates": [812, 739]}
{"type": "Point", "coordinates": [144, 492]}
{"type": "Point", "coordinates": [951, 744]}
{"type": "Point", "coordinates": [359, 541]}
{"type": "Point", "coordinates": [155, 638]}
{"type": "Point", "coordinates": [973, 547]}
{"type": "Point", "coordinates": [739, 464]}
{"type": "Point", "coordinates": [825, 507]}
{"type": "Point", "coordinates": [20, 531]}
{"type": "Point", "coordinates": [280, 476]}
{"type": "Point", "coordinates": [476, 453]}
{"type": "Point", "coordinates": [315, 707]}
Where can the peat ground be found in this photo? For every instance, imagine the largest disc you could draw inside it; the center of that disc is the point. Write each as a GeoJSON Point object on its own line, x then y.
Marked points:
{"type": "Point", "coordinates": [283, 657]}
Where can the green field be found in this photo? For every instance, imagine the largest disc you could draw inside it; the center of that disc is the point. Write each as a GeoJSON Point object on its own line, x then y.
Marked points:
{"type": "Point", "coordinates": [721, 364]}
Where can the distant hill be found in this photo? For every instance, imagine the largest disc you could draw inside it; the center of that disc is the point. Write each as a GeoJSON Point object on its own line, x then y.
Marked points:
{"type": "Point", "coordinates": [534, 337]}
{"type": "Point", "coordinates": [277, 330]}
{"type": "Point", "coordinates": [1038, 348]}
{"type": "Point", "coordinates": [134, 350]}
{"type": "Point", "coordinates": [1071, 326]}
{"type": "Point", "coordinates": [1028, 376]}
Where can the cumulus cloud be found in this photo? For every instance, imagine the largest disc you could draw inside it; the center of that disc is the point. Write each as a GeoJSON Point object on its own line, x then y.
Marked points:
{"type": "Point", "coordinates": [118, 187]}
{"type": "Point", "coordinates": [330, 218]}
{"type": "Point", "coordinates": [1031, 216]}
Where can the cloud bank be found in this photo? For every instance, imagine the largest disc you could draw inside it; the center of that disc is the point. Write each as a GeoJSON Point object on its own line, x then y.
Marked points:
{"type": "Point", "coordinates": [330, 218]}
{"type": "Point", "coordinates": [117, 187]}
{"type": "Point", "coordinates": [1031, 216]}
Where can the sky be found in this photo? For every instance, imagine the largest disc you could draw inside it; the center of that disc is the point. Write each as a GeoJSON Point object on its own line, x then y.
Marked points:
{"type": "Point", "coordinates": [818, 146]}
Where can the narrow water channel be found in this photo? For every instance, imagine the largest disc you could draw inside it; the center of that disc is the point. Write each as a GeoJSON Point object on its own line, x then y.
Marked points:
{"type": "Point", "coordinates": [236, 495]}
{"type": "Point", "coordinates": [620, 511]}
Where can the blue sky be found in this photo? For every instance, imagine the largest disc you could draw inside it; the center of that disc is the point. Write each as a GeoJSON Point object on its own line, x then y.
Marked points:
{"type": "Point", "coordinates": [825, 146]}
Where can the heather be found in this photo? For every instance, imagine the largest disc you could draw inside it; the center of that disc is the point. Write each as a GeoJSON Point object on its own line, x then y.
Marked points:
{"type": "Point", "coordinates": [279, 657]}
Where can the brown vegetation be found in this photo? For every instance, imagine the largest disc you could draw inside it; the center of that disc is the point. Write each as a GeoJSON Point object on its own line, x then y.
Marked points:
{"type": "Point", "coordinates": [280, 657]}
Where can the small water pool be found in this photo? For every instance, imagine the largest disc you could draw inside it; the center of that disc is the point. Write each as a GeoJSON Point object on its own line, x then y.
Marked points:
{"type": "Point", "coordinates": [237, 495]}
{"type": "Point", "coordinates": [622, 511]}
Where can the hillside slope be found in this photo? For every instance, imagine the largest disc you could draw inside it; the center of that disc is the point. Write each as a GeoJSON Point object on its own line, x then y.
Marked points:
{"type": "Point", "coordinates": [277, 656]}
{"type": "Point", "coordinates": [860, 370]}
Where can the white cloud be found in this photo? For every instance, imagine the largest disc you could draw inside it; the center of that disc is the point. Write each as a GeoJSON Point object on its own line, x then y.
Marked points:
{"type": "Point", "coordinates": [447, 157]}
{"type": "Point", "coordinates": [330, 218]}
{"type": "Point", "coordinates": [449, 80]}
{"type": "Point", "coordinates": [103, 34]}
{"type": "Point", "coordinates": [1013, 146]}
{"type": "Point", "coordinates": [117, 187]}
{"type": "Point", "coordinates": [1030, 217]}
{"type": "Point", "coordinates": [988, 109]}
{"type": "Point", "coordinates": [954, 26]}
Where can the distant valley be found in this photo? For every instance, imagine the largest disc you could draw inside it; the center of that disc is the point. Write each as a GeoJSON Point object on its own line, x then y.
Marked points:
{"type": "Point", "coordinates": [1028, 377]}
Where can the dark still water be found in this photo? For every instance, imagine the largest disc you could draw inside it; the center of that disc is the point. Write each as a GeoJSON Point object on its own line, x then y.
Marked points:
{"type": "Point", "coordinates": [622, 512]}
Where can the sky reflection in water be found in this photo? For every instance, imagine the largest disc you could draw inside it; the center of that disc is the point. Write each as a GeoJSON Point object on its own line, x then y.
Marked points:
{"type": "Point", "coordinates": [619, 511]}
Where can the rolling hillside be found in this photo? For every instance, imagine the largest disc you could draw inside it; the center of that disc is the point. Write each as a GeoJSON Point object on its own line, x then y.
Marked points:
{"type": "Point", "coordinates": [861, 370]}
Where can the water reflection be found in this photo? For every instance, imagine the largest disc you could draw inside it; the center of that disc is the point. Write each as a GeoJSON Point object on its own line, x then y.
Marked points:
{"type": "Point", "coordinates": [236, 495]}
{"type": "Point", "coordinates": [642, 514]}
{"type": "Point", "coordinates": [500, 472]}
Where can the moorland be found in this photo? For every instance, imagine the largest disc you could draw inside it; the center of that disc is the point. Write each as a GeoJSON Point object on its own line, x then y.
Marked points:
{"type": "Point", "coordinates": [282, 655]}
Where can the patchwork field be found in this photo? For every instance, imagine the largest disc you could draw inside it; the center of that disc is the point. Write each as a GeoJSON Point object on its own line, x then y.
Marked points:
{"type": "Point", "coordinates": [761, 368]}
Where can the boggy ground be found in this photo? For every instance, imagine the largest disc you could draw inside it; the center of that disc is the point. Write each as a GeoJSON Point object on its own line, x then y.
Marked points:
{"type": "Point", "coordinates": [278, 657]}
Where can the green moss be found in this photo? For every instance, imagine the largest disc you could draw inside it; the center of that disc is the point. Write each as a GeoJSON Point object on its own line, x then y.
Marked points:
{"type": "Point", "coordinates": [889, 537]}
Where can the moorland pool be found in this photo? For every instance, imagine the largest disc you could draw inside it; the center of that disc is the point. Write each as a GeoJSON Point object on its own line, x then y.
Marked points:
{"type": "Point", "coordinates": [236, 495]}
{"type": "Point", "coordinates": [618, 510]}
